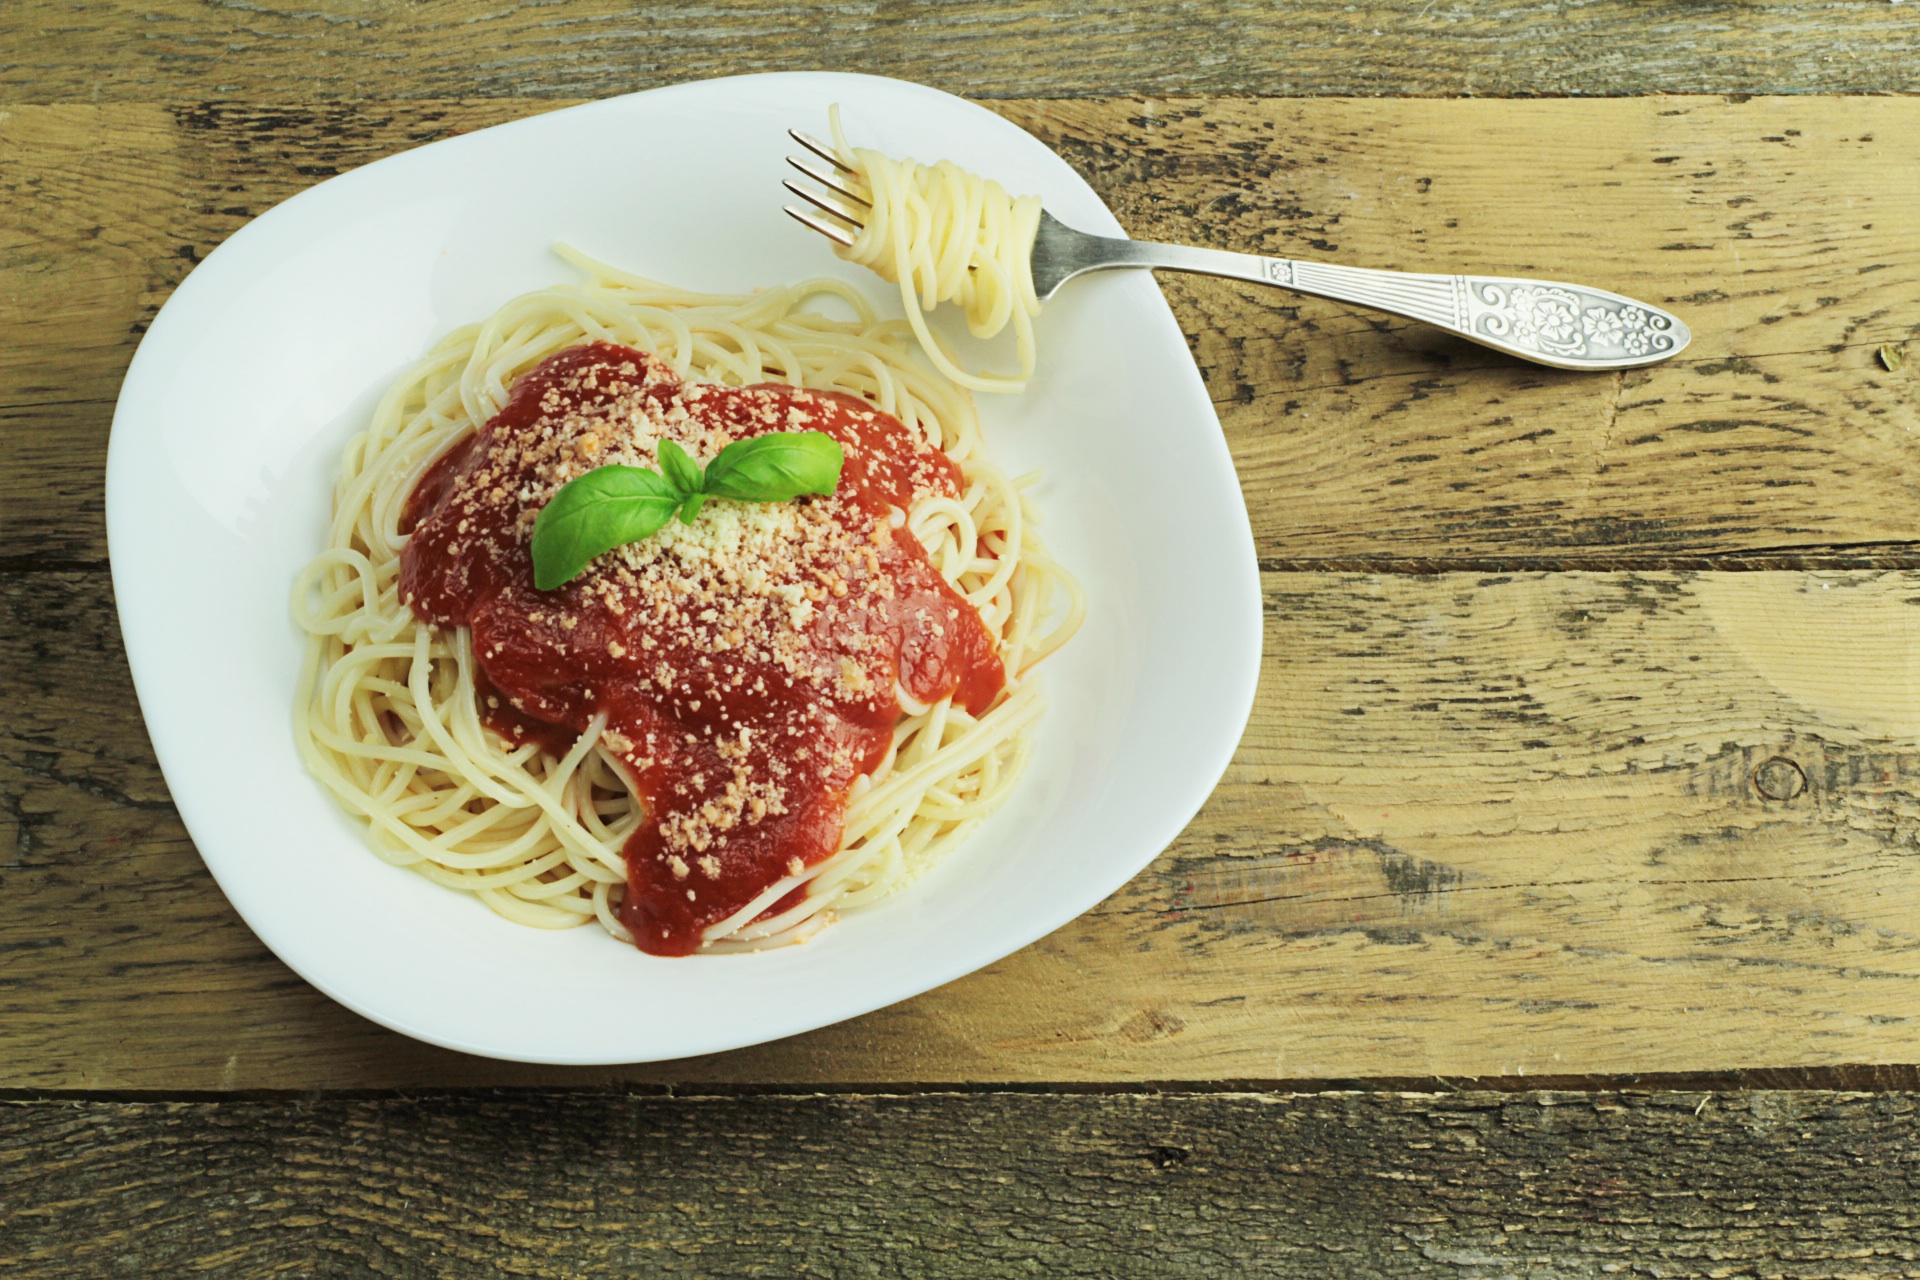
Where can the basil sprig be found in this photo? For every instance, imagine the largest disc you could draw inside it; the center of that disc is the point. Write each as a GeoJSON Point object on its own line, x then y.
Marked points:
{"type": "Point", "coordinates": [611, 506]}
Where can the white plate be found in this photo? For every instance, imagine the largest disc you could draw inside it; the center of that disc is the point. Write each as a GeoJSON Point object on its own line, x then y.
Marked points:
{"type": "Point", "coordinates": [272, 353]}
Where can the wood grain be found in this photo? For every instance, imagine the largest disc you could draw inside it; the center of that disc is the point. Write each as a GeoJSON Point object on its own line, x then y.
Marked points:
{"type": "Point", "coordinates": [1481, 825]}
{"type": "Point", "coordinates": [1463, 1186]}
{"type": "Point", "coordinates": [169, 50]}
{"type": "Point", "coordinates": [1786, 230]}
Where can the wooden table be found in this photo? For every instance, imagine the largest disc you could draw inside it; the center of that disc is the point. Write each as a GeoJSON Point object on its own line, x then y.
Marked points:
{"type": "Point", "coordinates": [1560, 913]}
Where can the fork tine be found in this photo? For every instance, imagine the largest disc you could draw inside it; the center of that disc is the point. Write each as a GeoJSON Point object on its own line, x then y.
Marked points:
{"type": "Point", "coordinates": [829, 181]}
{"type": "Point", "coordinates": [824, 205]}
{"type": "Point", "coordinates": [834, 234]}
{"type": "Point", "coordinates": [819, 148]}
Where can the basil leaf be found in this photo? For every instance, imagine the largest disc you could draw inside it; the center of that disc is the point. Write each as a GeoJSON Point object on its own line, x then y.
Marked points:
{"type": "Point", "coordinates": [606, 508]}
{"type": "Point", "coordinates": [679, 468]}
{"type": "Point", "coordinates": [774, 468]}
{"type": "Point", "coordinates": [611, 506]}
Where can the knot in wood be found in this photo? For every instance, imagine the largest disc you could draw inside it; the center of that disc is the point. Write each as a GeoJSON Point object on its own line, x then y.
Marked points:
{"type": "Point", "coordinates": [1779, 779]}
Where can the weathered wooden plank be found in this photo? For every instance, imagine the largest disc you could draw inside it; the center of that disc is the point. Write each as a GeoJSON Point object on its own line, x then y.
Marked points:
{"type": "Point", "coordinates": [1788, 230]}
{"type": "Point", "coordinates": [173, 49]}
{"type": "Point", "coordinates": [1776, 227]}
{"type": "Point", "coordinates": [1407, 1185]}
{"type": "Point", "coordinates": [1481, 825]}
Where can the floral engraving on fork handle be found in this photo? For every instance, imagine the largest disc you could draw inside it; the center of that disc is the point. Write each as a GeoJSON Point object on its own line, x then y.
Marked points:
{"type": "Point", "coordinates": [1562, 321]}
{"type": "Point", "coordinates": [1566, 325]}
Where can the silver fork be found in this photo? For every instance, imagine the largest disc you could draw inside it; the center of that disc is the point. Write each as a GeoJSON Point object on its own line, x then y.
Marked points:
{"type": "Point", "coordinates": [1566, 326]}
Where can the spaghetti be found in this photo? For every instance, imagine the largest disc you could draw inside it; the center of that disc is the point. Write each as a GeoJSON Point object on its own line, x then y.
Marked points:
{"type": "Point", "coordinates": [946, 235]}
{"type": "Point", "coordinates": [392, 713]}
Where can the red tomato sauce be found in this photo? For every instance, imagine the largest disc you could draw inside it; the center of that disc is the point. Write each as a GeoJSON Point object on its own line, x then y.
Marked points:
{"type": "Point", "coordinates": [748, 666]}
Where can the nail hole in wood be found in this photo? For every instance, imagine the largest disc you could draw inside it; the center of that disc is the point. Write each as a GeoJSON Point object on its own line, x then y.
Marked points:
{"type": "Point", "coordinates": [1779, 779]}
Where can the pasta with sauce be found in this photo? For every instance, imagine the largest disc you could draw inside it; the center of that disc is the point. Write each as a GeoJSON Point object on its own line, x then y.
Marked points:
{"type": "Point", "coordinates": [403, 720]}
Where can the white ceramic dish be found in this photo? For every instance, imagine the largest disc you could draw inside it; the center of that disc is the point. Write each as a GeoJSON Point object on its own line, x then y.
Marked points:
{"type": "Point", "coordinates": [271, 354]}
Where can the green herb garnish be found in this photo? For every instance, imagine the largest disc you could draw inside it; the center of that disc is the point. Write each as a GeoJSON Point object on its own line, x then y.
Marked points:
{"type": "Point", "coordinates": [611, 506]}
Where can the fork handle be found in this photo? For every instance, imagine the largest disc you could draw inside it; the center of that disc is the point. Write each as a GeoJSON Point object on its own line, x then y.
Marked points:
{"type": "Point", "coordinates": [1567, 326]}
